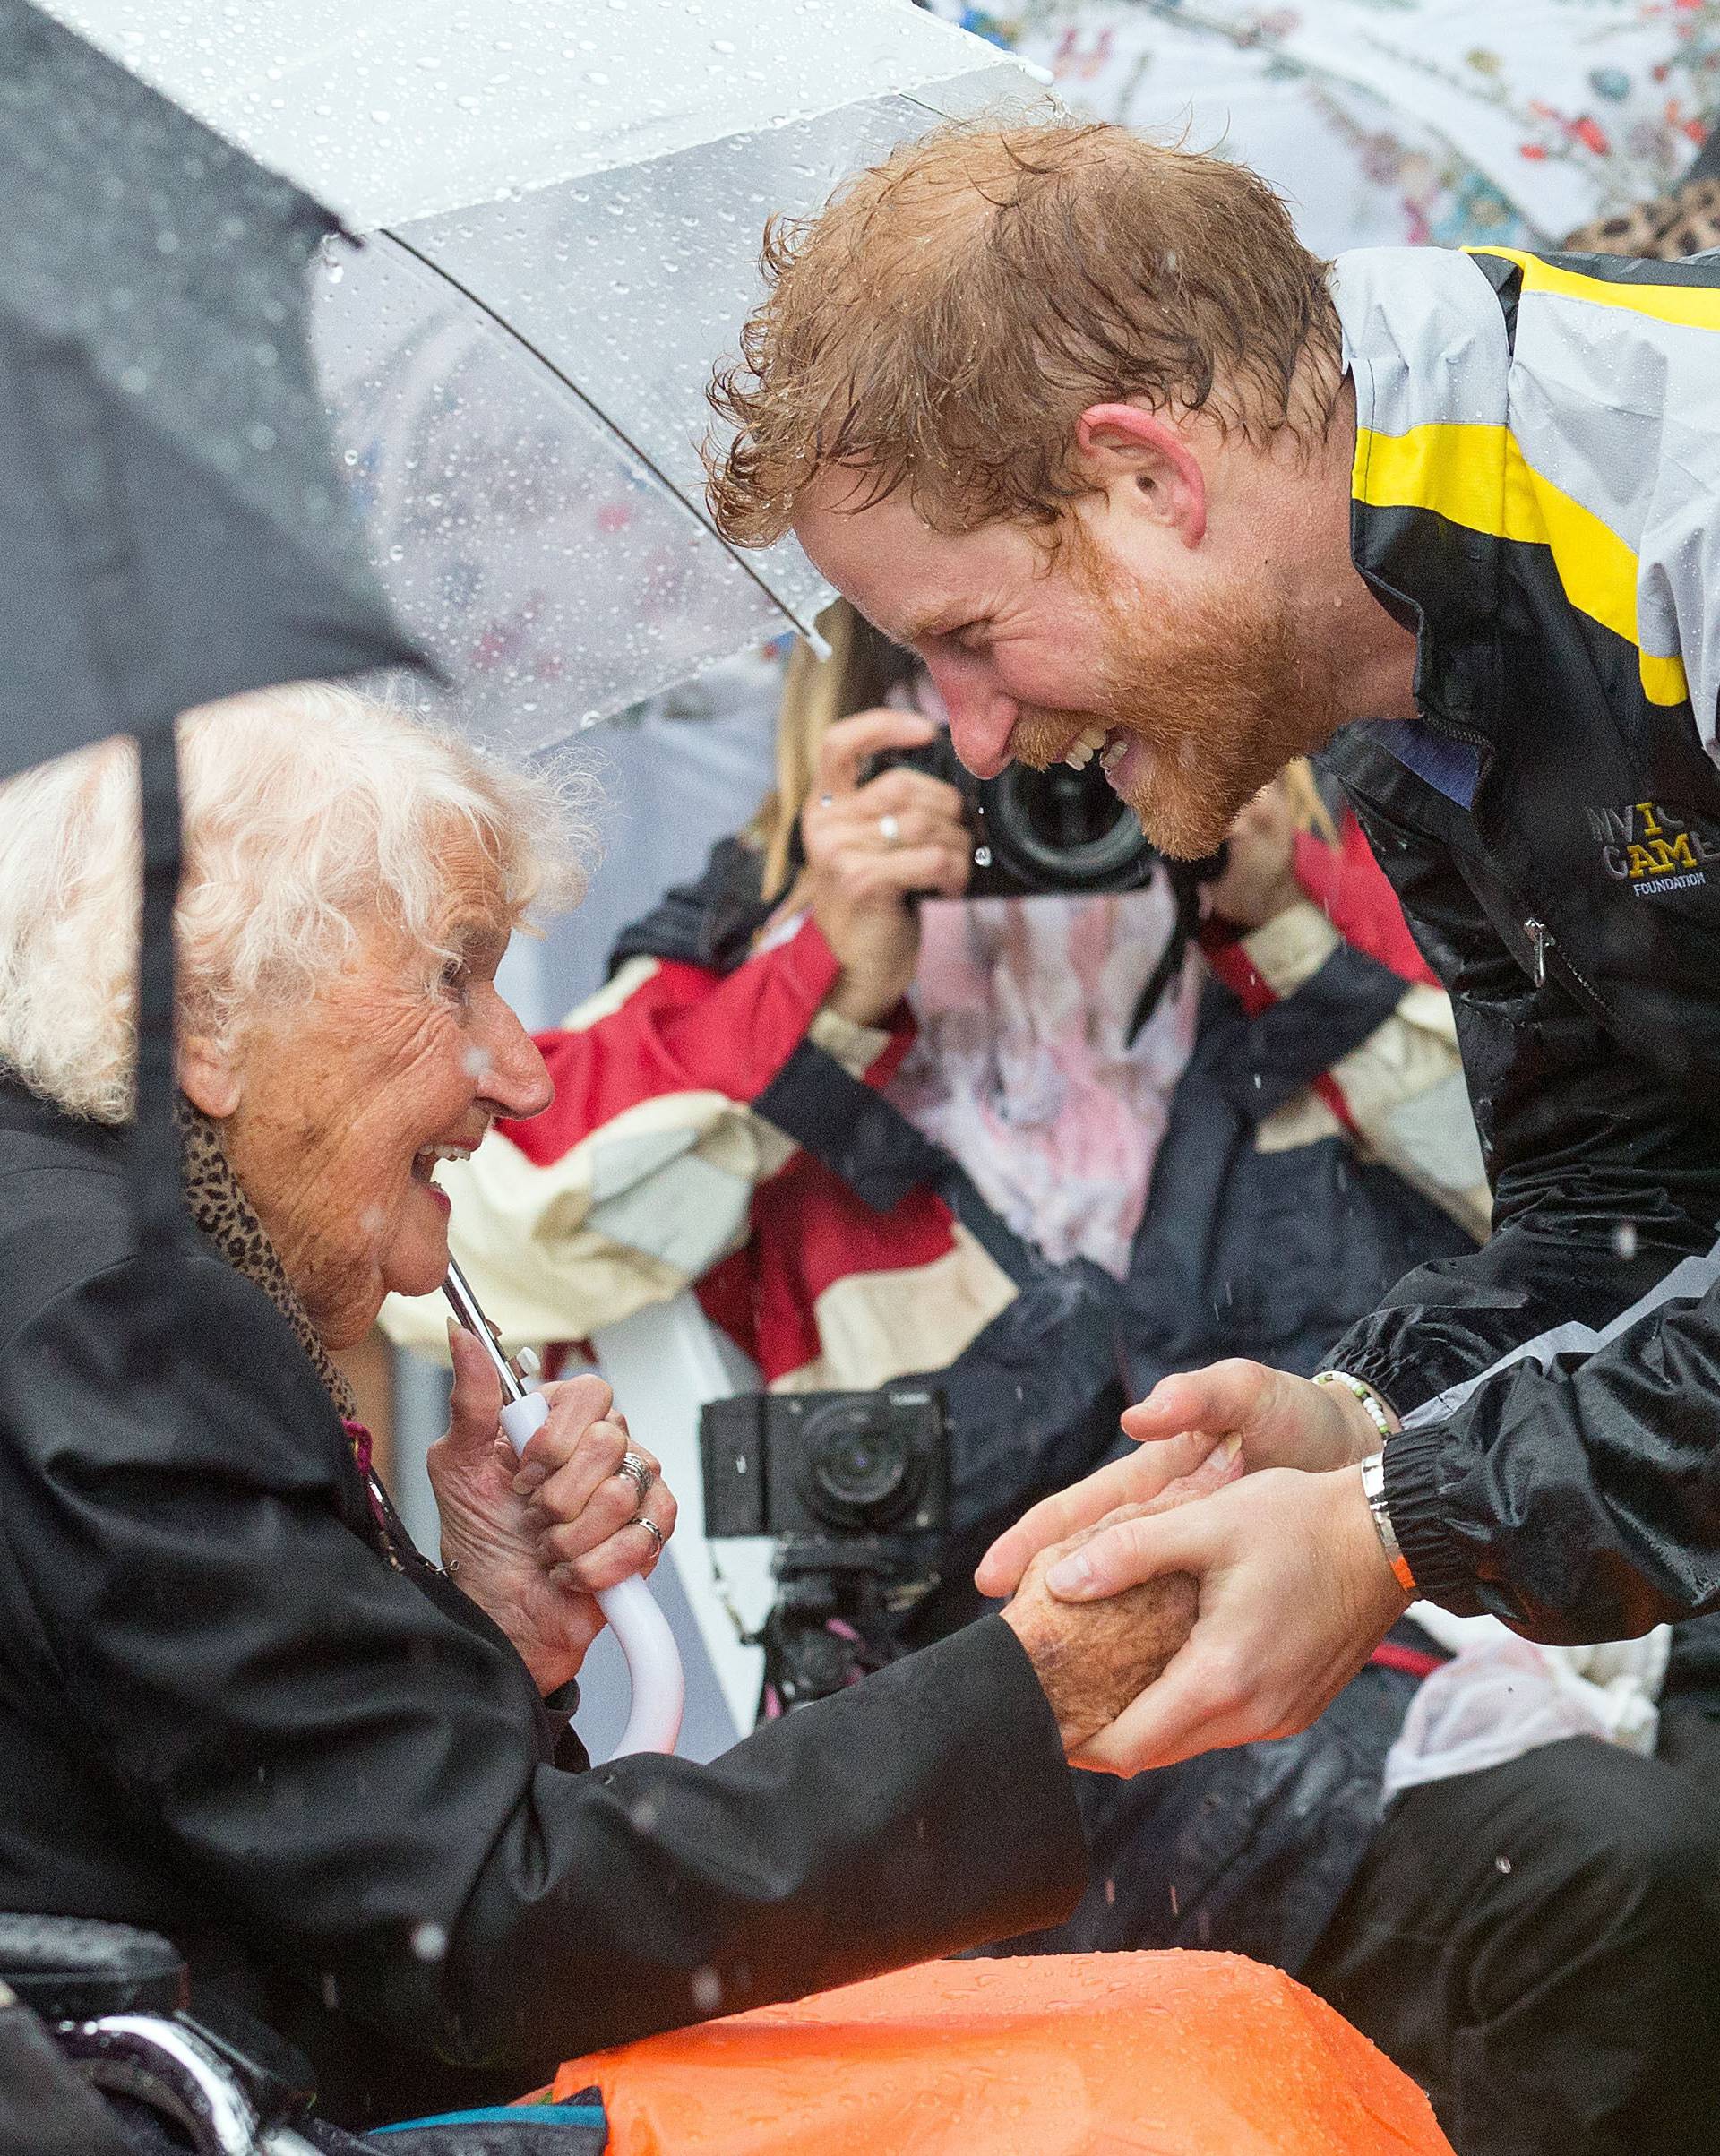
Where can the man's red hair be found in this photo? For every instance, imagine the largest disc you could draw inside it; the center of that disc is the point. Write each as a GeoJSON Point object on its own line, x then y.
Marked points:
{"type": "Point", "coordinates": [942, 325]}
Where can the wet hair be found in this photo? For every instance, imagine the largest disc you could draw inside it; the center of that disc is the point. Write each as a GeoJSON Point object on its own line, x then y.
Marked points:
{"type": "Point", "coordinates": [941, 325]}
{"type": "Point", "coordinates": [308, 810]}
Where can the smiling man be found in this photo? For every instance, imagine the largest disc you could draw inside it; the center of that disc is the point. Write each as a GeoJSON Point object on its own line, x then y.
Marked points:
{"type": "Point", "coordinates": [1080, 419]}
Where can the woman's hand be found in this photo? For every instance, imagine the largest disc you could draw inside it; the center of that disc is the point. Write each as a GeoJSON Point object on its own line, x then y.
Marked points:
{"type": "Point", "coordinates": [1094, 1660]}
{"type": "Point", "coordinates": [869, 850]}
{"type": "Point", "coordinates": [532, 1540]}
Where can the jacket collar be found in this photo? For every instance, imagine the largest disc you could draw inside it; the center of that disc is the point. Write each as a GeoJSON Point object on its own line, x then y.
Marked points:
{"type": "Point", "coordinates": [1426, 344]}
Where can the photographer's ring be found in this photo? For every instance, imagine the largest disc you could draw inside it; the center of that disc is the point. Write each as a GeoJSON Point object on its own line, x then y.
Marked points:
{"type": "Point", "coordinates": [890, 829]}
{"type": "Point", "coordinates": [651, 1528]}
{"type": "Point", "coordinates": [639, 1473]}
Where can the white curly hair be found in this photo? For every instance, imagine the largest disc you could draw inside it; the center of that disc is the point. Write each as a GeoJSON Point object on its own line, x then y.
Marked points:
{"type": "Point", "coordinates": [307, 809]}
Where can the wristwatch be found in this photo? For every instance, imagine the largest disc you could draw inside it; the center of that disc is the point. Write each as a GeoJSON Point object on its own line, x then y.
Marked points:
{"type": "Point", "coordinates": [1373, 1488]}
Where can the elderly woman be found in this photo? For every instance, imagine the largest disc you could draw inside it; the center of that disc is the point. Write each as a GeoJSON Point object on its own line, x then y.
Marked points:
{"type": "Point", "coordinates": [235, 1704]}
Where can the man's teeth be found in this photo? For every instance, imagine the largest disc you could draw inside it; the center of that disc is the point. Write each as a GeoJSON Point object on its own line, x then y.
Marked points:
{"type": "Point", "coordinates": [1082, 751]}
{"type": "Point", "coordinates": [1115, 750]}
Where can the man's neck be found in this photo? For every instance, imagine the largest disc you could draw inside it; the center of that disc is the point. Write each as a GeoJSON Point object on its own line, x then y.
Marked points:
{"type": "Point", "coordinates": [1371, 656]}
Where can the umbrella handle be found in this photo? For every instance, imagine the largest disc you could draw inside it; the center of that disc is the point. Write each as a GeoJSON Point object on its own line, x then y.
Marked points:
{"type": "Point", "coordinates": [641, 1629]}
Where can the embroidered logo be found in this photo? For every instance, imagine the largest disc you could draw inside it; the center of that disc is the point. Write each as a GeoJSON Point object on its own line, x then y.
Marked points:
{"type": "Point", "coordinates": [1649, 848]}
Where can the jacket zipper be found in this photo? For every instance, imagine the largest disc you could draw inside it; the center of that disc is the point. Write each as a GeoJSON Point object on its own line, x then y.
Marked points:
{"type": "Point", "coordinates": [1540, 936]}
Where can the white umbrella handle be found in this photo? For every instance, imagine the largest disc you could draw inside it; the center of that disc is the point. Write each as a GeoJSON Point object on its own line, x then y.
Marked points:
{"type": "Point", "coordinates": [641, 1629]}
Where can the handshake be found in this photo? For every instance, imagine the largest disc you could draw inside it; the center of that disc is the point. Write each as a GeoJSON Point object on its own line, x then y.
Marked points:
{"type": "Point", "coordinates": [1094, 1658]}
{"type": "Point", "coordinates": [1220, 1586]}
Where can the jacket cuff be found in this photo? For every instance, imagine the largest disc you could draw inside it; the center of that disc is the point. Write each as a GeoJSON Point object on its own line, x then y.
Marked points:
{"type": "Point", "coordinates": [1438, 1564]}
{"type": "Point", "coordinates": [1291, 947]}
{"type": "Point", "coordinates": [855, 1046]}
{"type": "Point", "coordinates": [804, 961]}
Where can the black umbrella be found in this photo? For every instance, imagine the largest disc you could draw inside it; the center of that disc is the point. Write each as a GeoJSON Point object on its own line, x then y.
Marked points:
{"type": "Point", "coordinates": [172, 526]}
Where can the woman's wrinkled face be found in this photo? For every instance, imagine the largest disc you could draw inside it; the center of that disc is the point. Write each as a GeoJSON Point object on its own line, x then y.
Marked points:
{"type": "Point", "coordinates": [343, 1108]}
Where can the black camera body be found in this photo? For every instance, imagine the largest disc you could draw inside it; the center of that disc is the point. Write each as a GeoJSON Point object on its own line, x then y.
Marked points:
{"type": "Point", "coordinates": [826, 1464]}
{"type": "Point", "coordinates": [1038, 833]}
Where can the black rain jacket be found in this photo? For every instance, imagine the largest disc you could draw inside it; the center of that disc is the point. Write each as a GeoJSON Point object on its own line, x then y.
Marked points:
{"type": "Point", "coordinates": [1537, 492]}
{"type": "Point", "coordinates": [226, 1716]}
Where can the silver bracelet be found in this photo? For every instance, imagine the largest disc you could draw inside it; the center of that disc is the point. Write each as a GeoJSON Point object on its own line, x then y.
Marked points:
{"type": "Point", "coordinates": [1373, 1488]}
{"type": "Point", "coordinates": [1378, 1412]}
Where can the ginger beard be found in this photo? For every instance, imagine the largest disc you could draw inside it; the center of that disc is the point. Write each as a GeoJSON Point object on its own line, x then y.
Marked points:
{"type": "Point", "coordinates": [1219, 697]}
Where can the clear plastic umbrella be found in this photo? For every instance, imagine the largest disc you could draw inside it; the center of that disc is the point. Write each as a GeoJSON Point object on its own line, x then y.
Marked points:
{"type": "Point", "coordinates": [564, 201]}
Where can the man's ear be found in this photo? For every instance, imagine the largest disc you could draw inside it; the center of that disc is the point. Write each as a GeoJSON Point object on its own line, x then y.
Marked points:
{"type": "Point", "coordinates": [207, 1077]}
{"type": "Point", "coordinates": [1145, 465]}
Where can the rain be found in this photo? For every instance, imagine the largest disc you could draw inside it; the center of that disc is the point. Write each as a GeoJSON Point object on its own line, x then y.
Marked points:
{"type": "Point", "coordinates": [848, 1315]}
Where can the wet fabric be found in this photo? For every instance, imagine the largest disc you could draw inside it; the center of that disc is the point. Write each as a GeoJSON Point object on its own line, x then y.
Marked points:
{"type": "Point", "coordinates": [1182, 2054]}
{"type": "Point", "coordinates": [169, 461]}
{"type": "Point", "coordinates": [1499, 1697]}
{"type": "Point", "coordinates": [1441, 121]}
{"type": "Point", "coordinates": [332, 1784]}
{"type": "Point", "coordinates": [1539, 1946]}
{"type": "Point", "coordinates": [1537, 452]}
{"type": "Point", "coordinates": [1250, 1849]}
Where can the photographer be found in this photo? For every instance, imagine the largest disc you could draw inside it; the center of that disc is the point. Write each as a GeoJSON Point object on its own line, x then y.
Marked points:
{"type": "Point", "coordinates": [1035, 1151]}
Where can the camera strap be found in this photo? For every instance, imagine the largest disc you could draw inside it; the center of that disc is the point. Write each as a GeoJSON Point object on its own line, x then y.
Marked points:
{"type": "Point", "coordinates": [870, 1143]}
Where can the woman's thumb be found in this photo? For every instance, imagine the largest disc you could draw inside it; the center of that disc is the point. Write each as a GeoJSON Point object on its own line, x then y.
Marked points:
{"type": "Point", "coordinates": [477, 1403]}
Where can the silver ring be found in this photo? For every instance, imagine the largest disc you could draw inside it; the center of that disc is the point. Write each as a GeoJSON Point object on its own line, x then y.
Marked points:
{"type": "Point", "coordinates": [651, 1528]}
{"type": "Point", "coordinates": [639, 1473]}
{"type": "Point", "coordinates": [890, 829]}
{"type": "Point", "coordinates": [827, 801]}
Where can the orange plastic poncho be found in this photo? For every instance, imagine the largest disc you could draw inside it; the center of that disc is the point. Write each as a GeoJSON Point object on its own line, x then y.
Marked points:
{"type": "Point", "coordinates": [1078, 2055]}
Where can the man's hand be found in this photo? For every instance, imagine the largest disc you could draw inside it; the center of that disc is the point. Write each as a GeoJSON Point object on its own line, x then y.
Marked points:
{"type": "Point", "coordinates": [1282, 1422]}
{"type": "Point", "coordinates": [532, 1540]}
{"type": "Point", "coordinates": [1293, 1594]}
{"type": "Point", "coordinates": [870, 851]}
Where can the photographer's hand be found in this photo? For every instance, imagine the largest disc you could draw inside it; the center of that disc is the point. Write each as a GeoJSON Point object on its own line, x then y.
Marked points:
{"type": "Point", "coordinates": [1260, 879]}
{"type": "Point", "coordinates": [869, 850]}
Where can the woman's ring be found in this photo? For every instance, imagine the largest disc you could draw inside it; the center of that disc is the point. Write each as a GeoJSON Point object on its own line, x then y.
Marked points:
{"type": "Point", "coordinates": [891, 829]}
{"type": "Point", "coordinates": [639, 1473]}
{"type": "Point", "coordinates": [651, 1528]}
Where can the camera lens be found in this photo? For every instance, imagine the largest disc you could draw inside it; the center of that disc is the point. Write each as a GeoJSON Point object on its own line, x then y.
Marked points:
{"type": "Point", "coordinates": [1061, 829]}
{"type": "Point", "coordinates": [856, 1466]}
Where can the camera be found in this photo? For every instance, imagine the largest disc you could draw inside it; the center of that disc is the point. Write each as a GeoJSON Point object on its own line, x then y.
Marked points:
{"type": "Point", "coordinates": [1038, 833]}
{"type": "Point", "coordinates": [826, 1464]}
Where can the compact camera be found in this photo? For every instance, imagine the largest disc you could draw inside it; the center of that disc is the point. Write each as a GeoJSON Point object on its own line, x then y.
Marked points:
{"type": "Point", "coordinates": [824, 1464]}
{"type": "Point", "coordinates": [1038, 833]}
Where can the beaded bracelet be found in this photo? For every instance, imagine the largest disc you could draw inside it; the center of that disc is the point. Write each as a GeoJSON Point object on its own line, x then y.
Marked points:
{"type": "Point", "coordinates": [1378, 1412]}
{"type": "Point", "coordinates": [1373, 1472]}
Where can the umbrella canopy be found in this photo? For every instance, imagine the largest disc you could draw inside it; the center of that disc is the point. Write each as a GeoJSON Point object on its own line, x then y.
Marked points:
{"type": "Point", "coordinates": [172, 528]}
{"type": "Point", "coordinates": [1453, 121]}
{"type": "Point", "coordinates": [565, 200]}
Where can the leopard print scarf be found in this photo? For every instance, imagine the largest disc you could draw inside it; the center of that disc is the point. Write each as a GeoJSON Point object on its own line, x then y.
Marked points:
{"type": "Point", "coordinates": [226, 1216]}
{"type": "Point", "coordinates": [1671, 225]}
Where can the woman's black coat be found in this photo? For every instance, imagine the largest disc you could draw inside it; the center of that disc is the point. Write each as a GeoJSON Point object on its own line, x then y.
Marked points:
{"type": "Point", "coordinates": [226, 1716]}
